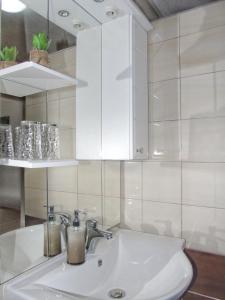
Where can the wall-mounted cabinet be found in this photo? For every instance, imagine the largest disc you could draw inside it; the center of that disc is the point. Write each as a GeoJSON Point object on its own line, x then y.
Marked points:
{"type": "Point", "coordinates": [112, 116]}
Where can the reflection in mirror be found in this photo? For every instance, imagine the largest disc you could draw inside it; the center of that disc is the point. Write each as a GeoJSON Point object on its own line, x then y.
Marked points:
{"type": "Point", "coordinates": [24, 193]}
{"type": "Point", "coordinates": [27, 194]}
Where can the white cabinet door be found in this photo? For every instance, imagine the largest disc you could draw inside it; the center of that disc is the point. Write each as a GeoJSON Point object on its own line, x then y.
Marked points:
{"type": "Point", "coordinates": [88, 94]}
{"type": "Point", "coordinates": [139, 92]}
{"type": "Point", "coordinates": [116, 89]}
{"type": "Point", "coordinates": [112, 113]}
{"type": "Point", "coordinates": [124, 90]}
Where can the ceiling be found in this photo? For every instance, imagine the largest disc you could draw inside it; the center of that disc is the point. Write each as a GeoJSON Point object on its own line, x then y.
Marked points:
{"type": "Point", "coordinates": [155, 9]}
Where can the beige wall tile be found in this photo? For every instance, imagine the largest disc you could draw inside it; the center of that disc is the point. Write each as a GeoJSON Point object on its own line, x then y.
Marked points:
{"type": "Point", "coordinates": [203, 96]}
{"type": "Point", "coordinates": [13, 109]}
{"type": "Point", "coordinates": [38, 179]}
{"type": "Point", "coordinates": [53, 112]}
{"type": "Point", "coordinates": [63, 201]}
{"type": "Point", "coordinates": [204, 229]}
{"type": "Point", "coordinates": [164, 141]}
{"type": "Point", "coordinates": [89, 178]}
{"type": "Point", "coordinates": [164, 29]}
{"type": "Point", "coordinates": [68, 92]}
{"type": "Point", "coordinates": [111, 179]}
{"type": "Point", "coordinates": [164, 100]}
{"type": "Point", "coordinates": [131, 180]}
{"type": "Point", "coordinates": [162, 218]}
{"type": "Point", "coordinates": [203, 140]}
{"type": "Point", "coordinates": [53, 95]}
{"type": "Point", "coordinates": [63, 179]}
{"type": "Point", "coordinates": [36, 98]}
{"type": "Point", "coordinates": [111, 211]}
{"type": "Point", "coordinates": [220, 93]}
{"type": "Point", "coordinates": [92, 205]}
{"type": "Point", "coordinates": [67, 112]}
{"type": "Point", "coordinates": [38, 199]}
{"type": "Point", "coordinates": [67, 143]}
{"type": "Point", "coordinates": [202, 18]}
{"type": "Point", "coordinates": [162, 181]}
{"type": "Point", "coordinates": [26, 177]}
{"type": "Point", "coordinates": [163, 60]}
{"type": "Point", "coordinates": [203, 52]}
{"type": "Point", "coordinates": [198, 96]}
{"type": "Point", "coordinates": [36, 112]}
{"type": "Point", "coordinates": [203, 184]}
{"type": "Point", "coordinates": [27, 201]}
{"type": "Point", "coordinates": [131, 214]}
{"type": "Point", "coordinates": [64, 61]}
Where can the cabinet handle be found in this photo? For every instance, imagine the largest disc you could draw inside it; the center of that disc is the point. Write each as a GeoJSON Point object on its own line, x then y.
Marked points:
{"type": "Point", "coordinates": [140, 150]}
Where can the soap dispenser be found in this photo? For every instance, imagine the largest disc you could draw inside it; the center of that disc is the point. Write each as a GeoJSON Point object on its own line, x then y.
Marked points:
{"type": "Point", "coordinates": [52, 235]}
{"type": "Point", "coordinates": [76, 241]}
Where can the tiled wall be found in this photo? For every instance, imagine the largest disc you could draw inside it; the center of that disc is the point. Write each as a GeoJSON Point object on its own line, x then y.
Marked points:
{"type": "Point", "coordinates": [93, 185]}
{"type": "Point", "coordinates": [180, 191]}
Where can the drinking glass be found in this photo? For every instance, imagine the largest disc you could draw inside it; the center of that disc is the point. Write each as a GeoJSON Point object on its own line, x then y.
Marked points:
{"type": "Point", "coordinates": [6, 142]}
{"type": "Point", "coordinates": [17, 140]}
{"type": "Point", "coordinates": [26, 140]}
{"type": "Point", "coordinates": [44, 140]}
{"type": "Point", "coordinates": [53, 140]}
{"type": "Point", "coordinates": [30, 140]}
{"type": "Point", "coordinates": [37, 140]}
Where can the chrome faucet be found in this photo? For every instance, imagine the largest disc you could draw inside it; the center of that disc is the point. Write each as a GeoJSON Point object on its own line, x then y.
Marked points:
{"type": "Point", "coordinates": [93, 232]}
{"type": "Point", "coordinates": [91, 229]}
{"type": "Point", "coordinates": [66, 220]}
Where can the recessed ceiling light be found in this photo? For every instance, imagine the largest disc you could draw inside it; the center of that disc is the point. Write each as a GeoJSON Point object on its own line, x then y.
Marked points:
{"type": "Point", "coordinates": [63, 13]}
{"type": "Point", "coordinates": [78, 26]}
{"type": "Point", "coordinates": [12, 6]}
{"type": "Point", "coordinates": [111, 12]}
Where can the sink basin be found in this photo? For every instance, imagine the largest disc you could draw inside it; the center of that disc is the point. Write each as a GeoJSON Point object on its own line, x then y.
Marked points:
{"type": "Point", "coordinates": [132, 265]}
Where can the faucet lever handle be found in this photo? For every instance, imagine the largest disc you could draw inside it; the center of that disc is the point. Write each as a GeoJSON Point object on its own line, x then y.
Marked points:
{"type": "Point", "coordinates": [92, 223]}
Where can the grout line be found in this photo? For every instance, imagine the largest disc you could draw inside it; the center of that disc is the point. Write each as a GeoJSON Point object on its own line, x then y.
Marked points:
{"type": "Point", "coordinates": [204, 206]}
{"type": "Point", "coordinates": [183, 161]}
{"type": "Point", "coordinates": [142, 196]}
{"type": "Point", "coordinates": [180, 136]}
{"type": "Point", "coordinates": [121, 193]}
{"type": "Point", "coordinates": [184, 76]}
{"type": "Point", "coordinates": [202, 295]}
{"type": "Point", "coordinates": [178, 204]}
{"type": "Point", "coordinates": [189, 119]}
{"type": "Point", "coordinates": [156, 201]}
{"type": "Point", "coordinates": [186, 34]}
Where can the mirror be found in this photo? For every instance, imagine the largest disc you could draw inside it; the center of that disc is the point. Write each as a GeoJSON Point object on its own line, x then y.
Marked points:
{"type": "Point", "coordinates": [27, 194]}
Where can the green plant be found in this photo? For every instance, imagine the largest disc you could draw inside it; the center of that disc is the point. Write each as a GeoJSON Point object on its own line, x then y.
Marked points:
{"type": "Point", "coordinates": [40, 41]}
{"type": "Point", "coordinates": [8, 54]}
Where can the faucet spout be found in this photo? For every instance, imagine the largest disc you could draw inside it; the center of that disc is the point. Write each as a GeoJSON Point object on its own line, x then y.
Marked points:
{"type": "Point", "coordinates": [93, 232]}
{"type": "Point", "coordinates": [65, 223]}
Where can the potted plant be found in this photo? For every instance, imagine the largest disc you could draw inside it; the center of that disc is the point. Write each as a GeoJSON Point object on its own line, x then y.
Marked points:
{"type": "Point", "coordinates": [39, 53]}
{"type": "Point", "coordinates": [8, 57]}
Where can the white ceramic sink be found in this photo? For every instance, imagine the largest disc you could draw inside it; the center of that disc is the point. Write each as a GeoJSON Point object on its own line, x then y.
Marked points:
{"type": "Point", "coordinates": [144, 266]}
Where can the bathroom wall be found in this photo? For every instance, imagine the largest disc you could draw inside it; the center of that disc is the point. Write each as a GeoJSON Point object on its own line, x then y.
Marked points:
{"type": "Point", "coordinates": [93, 185]}
{"type": "Point", "coordinates": [10, 178]}
{"type": "Point", "coordinates": [180, 190]}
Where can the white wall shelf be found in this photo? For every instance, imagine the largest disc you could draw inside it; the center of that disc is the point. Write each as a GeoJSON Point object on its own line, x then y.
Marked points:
{"type": "Point", "coordinates": [29, 78]}
{"type": "Point", "coordinates": [37, 164]}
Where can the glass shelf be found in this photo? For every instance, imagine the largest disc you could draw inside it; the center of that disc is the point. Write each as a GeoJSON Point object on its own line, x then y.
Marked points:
{"type": "Point", "coordinates": [34, 164]}
{"type": "Point", "coordinates": [29, 78]}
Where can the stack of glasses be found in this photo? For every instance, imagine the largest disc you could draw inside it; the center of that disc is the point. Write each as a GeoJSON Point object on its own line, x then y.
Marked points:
{"type": "Point", "coordinates": [6, 141]}
{"type": "Point", "coordinates": [32, 141]}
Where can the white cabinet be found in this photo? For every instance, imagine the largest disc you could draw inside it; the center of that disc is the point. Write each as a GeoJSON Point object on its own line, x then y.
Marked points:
{"type": "Point", "coordinates": [123, 111]}
{"type": "Point", "coordinates": [88, 94]}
